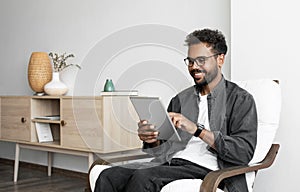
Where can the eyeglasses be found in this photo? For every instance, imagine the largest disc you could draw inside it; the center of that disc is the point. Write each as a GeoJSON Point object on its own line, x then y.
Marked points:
{"type": "Point", "coordinates": [200, 61]}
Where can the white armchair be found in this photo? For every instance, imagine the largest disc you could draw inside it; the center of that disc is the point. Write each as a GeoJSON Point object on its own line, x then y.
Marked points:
{"type": "Point", "coordinates": [267, 95]}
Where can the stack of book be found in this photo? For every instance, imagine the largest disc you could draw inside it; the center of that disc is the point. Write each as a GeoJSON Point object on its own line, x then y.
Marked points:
{"type": "Point", "coordinates": [120, 93]}
{"type": "Point", "coordinates": [49, 117]}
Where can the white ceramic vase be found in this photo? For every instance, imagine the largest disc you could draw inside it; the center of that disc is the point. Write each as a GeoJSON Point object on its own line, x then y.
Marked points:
{"type": "Point", "coordinates": [55, 87]}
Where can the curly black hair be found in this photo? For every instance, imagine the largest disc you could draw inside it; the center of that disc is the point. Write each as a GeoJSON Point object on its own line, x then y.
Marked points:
{"type": "Point", "coordinates": [213, 38]}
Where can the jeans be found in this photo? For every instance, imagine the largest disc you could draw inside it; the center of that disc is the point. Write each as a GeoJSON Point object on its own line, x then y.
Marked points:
{"type": "Point", "coordinates": [149, 179]}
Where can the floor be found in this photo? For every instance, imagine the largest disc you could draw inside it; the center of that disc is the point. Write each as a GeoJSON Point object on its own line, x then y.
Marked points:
{"type": "Point", "coordinates": [33, 180]}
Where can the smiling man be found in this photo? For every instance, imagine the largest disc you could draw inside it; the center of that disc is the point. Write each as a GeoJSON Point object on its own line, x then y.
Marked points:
{"type": "Point", "coordinates": [215, 119]}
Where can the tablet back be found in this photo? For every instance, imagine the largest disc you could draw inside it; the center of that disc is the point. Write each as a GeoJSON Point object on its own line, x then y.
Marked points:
{"type": "Point", "coordinates": [152, 110]}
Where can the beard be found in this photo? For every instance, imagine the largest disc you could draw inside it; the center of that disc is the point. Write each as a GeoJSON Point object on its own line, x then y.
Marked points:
{"type": "Point", "coordinates": [209, 77]}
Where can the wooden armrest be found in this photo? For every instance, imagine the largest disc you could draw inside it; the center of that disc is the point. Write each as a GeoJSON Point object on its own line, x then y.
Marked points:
{"type": "Point", "coordinates": [213, 179]}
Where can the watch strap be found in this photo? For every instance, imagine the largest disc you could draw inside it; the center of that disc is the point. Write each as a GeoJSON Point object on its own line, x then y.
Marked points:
{"type": "Point", "coordinates": [200, 127]}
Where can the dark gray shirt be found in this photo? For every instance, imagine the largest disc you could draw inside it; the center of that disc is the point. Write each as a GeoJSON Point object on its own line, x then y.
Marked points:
{"type": "Point", "coordinates": [232, 119]}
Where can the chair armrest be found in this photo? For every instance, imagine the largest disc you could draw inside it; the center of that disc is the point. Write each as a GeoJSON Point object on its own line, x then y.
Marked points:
{"type": "Point", "coordinates": [213, 179]}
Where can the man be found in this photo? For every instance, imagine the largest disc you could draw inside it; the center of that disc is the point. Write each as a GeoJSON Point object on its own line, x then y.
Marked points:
{"type": "Point", "coordinates": [215, 119]}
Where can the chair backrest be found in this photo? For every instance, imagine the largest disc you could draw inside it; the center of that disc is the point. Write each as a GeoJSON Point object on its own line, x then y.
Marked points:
{"type": "Point", "coordinates": [267, 96]}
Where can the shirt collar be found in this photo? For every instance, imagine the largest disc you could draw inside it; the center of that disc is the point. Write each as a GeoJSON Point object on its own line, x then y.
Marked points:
{"type": "Point", "coordinates": [219, 88]}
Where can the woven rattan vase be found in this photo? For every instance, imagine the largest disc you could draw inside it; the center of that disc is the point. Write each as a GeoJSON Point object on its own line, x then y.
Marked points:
{"type": "Point", "coordinates": [39, 71]}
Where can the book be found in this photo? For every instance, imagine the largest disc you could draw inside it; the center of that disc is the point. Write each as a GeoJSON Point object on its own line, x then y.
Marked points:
{"type": "Point", "coordinates": [120, 93]}
{"type": "Point", "coordinates": [48, 117]}
{"type": "Point", "coordinates": [43, 131]}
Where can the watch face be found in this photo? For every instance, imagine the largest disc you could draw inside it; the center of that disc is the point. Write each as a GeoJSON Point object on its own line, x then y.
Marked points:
{"type": "Point", "coordinates": [200, 126]}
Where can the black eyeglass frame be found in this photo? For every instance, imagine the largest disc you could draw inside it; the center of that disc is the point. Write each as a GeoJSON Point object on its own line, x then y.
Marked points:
{"type": "Point", "coordinates": [200, 61]}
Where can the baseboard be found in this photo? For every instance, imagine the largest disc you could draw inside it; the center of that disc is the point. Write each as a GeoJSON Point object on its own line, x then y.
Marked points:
{"type": "Point", "coordinates": [60, 171]}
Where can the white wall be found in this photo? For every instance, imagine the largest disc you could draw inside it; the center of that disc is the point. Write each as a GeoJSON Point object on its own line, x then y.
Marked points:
{"type": "Point", "coordinates": [110, 39]}
{"type": "Point", "coordinates": [265, 44]}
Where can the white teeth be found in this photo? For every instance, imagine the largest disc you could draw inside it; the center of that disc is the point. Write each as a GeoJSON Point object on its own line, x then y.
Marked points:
{"type": "Point", "coordinates": [198, 75]}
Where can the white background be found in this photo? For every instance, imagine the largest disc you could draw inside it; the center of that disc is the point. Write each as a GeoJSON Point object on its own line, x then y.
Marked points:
{"type": "Point", "coordinates": [265, 44]}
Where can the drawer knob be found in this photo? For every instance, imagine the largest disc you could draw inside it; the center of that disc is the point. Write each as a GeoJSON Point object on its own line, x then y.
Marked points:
{"type": "Point", "coordinates": [63, 122]}
{"type": "Point", "coordinates": [23, 119]}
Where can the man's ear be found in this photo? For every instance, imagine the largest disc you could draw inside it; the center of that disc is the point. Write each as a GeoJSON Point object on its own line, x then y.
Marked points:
{"type": "Point", "coordinates": [221, 60]}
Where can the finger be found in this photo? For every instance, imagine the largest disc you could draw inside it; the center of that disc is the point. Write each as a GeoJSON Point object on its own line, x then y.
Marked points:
{"type": "Point", "coordinates": [144, 125]}
{"type": "Point", "coordinates": [142, 122]}
{"type": "Point", "coordinates": [178, 124]}
{"type": "Point", "coordinates": [151, 141]}
{"type": "Point", "coordinates": [175, 119]}
{"type": "Point", "coordinates": [147, 133]}
{"type": "Point", "coordinates": [148, 137]}
{"type": "Point", "coordinates": [146, 128]}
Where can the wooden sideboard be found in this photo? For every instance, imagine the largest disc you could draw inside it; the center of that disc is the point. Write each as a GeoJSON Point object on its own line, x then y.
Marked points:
{"type": "Point", "coordinates": [104, 125]}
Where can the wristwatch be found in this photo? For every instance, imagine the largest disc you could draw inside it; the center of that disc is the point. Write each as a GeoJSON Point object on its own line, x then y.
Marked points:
{"type": "Point", "coordinates": [200, 127]}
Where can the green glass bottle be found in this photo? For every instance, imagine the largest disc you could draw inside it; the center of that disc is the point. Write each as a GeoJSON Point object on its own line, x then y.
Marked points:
{"type": "Point", "coordinates": [109, 86]}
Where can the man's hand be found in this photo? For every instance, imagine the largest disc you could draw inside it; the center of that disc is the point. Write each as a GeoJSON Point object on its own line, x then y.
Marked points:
{"type": "Point", "coordinates": [146, 132]}
{"type": "Point", "coordinates": [183, 123]}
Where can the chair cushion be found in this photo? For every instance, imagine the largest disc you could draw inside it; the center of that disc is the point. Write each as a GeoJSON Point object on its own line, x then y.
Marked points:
{"type": "Point", "coordinates": [186, 185]}
{"type": "Point", "coordinates": [94, 174]}
{"type": "Point", "coordinates": [267, 96]}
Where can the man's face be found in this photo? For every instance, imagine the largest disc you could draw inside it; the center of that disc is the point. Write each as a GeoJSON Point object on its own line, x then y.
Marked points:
{"type": "Point", "coordinates": [208, 71]}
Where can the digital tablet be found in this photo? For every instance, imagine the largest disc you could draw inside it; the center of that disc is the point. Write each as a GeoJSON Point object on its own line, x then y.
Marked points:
{"type": "Point", "coordinates": [152, 110]}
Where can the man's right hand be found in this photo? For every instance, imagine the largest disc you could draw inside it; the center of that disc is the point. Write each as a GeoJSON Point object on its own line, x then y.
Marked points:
{"type": "Point", "coordinates": [146, 132]}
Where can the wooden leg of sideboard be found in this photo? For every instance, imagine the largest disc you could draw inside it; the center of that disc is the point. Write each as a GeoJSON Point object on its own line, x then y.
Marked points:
{"type": "Point", "coordinates": [17, 158]}
{"type": "Point", "coordinates": [90, 159]}
{"type": "Point", "coordinates": [49, 163]}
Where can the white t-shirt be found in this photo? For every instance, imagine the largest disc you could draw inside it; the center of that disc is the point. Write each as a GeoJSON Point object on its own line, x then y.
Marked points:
{"type": "Point", "coordinates": [196, 150]}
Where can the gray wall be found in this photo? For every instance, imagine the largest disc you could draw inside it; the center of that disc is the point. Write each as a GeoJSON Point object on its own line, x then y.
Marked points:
{"type": "Point", "coordinates": [265, 44]}
{"type": "Point", "coordinates": [128, 41]}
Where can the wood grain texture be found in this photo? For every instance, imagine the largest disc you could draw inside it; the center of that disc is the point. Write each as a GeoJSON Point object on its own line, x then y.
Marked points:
{"type": "Point", "coordinates": [15, 118]}
{"type": "Point", "coordinates": [99, 124]}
